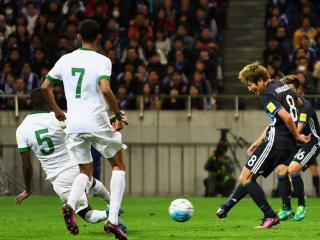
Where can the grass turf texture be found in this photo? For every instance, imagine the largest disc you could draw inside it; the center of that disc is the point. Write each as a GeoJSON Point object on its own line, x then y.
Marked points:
{"type": "Point", "coordinates": [39, 217]}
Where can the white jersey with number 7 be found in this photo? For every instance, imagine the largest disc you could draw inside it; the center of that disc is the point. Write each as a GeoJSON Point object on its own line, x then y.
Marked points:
{"type": "Point", "coordinates": [81, 71]}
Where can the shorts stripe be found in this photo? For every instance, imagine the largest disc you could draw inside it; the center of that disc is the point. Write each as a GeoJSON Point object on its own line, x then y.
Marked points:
{"type": "Point", "coordinates": [265, 152]}
{"type": "Point", "coordinates": [309, 155]}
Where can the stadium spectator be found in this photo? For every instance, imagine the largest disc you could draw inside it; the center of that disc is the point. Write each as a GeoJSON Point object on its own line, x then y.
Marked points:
{"type": "Point", "coordinates": [173, 101]}
{"type": "Point", "coordinates": [197, 102]}
{"type": "Point", "coordinates": [139, 36]}
{"type": "Point", "coordinates": [30, 78]}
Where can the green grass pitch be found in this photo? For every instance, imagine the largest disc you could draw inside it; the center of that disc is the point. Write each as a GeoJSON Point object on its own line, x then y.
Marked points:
{"type": "Point", "coordinates": [39, 217]}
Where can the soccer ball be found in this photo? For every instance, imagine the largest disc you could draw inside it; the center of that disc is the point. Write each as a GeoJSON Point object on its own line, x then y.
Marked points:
{"type": "Point", "coordinates": [181, 210]}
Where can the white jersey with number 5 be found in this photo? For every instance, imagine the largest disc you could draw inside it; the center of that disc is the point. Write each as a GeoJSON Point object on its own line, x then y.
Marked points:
{"type": "Point", "coordinates": [41, 132]}
{"type": "Point", "coordinates": [81, 72]}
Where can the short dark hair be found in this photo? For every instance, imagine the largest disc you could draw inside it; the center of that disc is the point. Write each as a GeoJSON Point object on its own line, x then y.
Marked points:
{"type": "Point", "coordinates": [38, 101]}
{"type": "Point", "coordinates": [291, 79]}
{"type": "Point", "coordinates": [89, 30]}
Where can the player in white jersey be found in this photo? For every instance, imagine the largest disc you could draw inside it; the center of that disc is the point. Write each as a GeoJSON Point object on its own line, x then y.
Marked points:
{"type": "Point", "coordinates": [85, 75]}
{"type": "Point", "coordinates": [41, 133]}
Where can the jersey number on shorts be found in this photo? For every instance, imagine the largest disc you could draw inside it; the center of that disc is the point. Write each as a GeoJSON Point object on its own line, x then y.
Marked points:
{"type": "Point", "coordinates": [42, 140]}
{"type": "Point", "coordinates": [252, 160]}
{"type": "Point", "coordinates": [293, 110]}
{"type": "Point", "coordinates": [81, 73]}
{"type": "Point", "coordinates": [300, 155]}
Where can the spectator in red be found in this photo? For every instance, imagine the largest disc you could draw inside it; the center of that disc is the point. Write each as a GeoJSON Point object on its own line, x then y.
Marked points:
{"type": "Point", "coordinates": [100, 14]}
{"type": "Point", "coordinates": [163, 21]}
{"type": "Point", "coordinates": [91, 7]}
{"type": "Point", "coordinates": [137, 24]}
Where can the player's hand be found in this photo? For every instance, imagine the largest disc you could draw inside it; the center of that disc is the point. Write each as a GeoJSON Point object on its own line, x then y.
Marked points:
{"type": "Point", "coordinates": [22, 196]}
{"type": "Point", "coordinates": [303, 138]}
{"type": "Point", "coordinates": [252, 148]}
{"type": "Point", "coordinates": [60, 115]}
{"type": "Point", "coordinates": [117, 125]}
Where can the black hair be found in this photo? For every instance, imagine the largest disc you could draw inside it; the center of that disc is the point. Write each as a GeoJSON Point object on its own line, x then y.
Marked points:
{"type": "Point", "coordinates": [38, 101]}
{"type": "Point", "coordinates": [89, 30]}
{"type": "Point", "coordinates": [291, 79]}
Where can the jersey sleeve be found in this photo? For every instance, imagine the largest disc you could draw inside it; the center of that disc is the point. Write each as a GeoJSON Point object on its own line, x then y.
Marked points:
{"type": "Point", "coordinates": [270, 104]}
{"type": "Point", "coordinates": [55, 74]}
{"type": "Point", "coordinates": [105, 70]}
{"type": "Point", "coordinates": [304, 114]}
{"type": "Point", "coordinates": [22, 141]}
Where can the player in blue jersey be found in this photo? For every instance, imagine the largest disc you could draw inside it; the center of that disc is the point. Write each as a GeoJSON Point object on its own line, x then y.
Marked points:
{"type": "Point", "coordinates": [273, 147]}
{"type": "Point", "coordinates": [305, 156]}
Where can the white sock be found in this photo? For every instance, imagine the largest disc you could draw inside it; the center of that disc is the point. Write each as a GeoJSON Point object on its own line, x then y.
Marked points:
{"type": "Point", "coordinates": [78, 188]}
{"type": "Point", "coordinates": [100, 190]}
{"type": "Point", "coordinates": [94, 216]}
{"type": "Point", "coordinates": [117, 185]}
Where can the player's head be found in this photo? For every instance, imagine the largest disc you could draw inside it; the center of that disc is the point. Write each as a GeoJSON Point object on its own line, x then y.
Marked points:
{"type": "Point", "coordinates": [292, 81]}
{"type": "Point", "coordinates": [38, 102]}
{"type": "Point", "coordinates": [254, 76]}
{"type": "Point", "coordinates": [89, 31]}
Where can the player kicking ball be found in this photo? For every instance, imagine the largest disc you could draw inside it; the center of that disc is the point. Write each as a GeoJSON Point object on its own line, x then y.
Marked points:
{"type": "Point", "coordinates": [273, 147]}
{"type": "Point", "coordinates": [41, 133]}
{"type": "Point", "coordinates": [85, 75]}
{"type": "Point", "coordinates": [305, 155]}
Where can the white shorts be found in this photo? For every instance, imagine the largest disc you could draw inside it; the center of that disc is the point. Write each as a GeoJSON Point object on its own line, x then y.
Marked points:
{"type": "Point", "coordinates": [62, 186]}
{"type": "Point", "coordinates": [108, 143]}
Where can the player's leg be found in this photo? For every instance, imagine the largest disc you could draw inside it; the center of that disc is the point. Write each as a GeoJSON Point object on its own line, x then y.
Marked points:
{"type": "Point", "coordinates": [117, 185]}
{"type": "Point", "coordinates": [109, 144]}
{"type": "Point", "coordinates": [262, 162]}
{"type": "Point", "coordinates": [95, 216]}
{"type": "Point", "coordinates": [98, 189]}
{"type": "Point", "coordinates": [258, 196]}
{"type": "Point", "coordinates": [284, 187]}
{"type": "Point", "coordinates": [315, 178]}
{"type": "Point", "coordinates": [298, 188]}
{"type": "Point", "coordinates": [238, 194]}
{"type": "Point", "coordinates": [92, 216]}
{"type": "Point", "coordinates": [79, 150]}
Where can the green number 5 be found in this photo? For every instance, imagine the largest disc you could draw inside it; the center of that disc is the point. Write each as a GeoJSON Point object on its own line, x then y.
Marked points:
{"type": "Point", "coordinates": [43, 140]}
{"type": "Point", "coordinates": [81, 71]}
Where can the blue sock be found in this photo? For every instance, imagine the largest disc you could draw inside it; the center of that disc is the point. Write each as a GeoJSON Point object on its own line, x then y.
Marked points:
{"type": "Point", "coordinates": [284, 187]}
{"type": "Point", "coordinates": [258, 196]}
{"type": "Point", "coordinates": [298, 188]}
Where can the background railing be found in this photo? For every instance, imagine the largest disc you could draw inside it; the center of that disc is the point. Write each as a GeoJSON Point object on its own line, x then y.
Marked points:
{"type": "Point", "coordinates": [211, 102]}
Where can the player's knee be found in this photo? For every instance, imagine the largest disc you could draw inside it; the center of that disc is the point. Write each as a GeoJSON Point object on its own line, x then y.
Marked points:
{"type": "Point", "coordinates": [292, 171]}
{"type": "Point", "coordinates": [117, 165]}
{"type": "Point", "coordinates": [244, 179]}
{"type": "Point", "coordinates": [282, 170]}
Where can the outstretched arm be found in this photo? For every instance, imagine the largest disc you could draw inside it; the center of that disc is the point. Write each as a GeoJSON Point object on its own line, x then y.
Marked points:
{"type": "Point", "coordinates": [27, 174]}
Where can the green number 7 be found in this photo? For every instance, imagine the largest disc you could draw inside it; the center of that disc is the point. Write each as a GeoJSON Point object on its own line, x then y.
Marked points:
{"type": "Point", "coordinates": [48, 140]}
{"type": "Point", "coordinates": [81, 71]}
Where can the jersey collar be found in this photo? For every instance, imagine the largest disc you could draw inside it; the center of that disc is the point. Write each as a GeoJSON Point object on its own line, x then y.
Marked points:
{"type": "Point", "coordinates": [85, 49]}
{"type": "Point", "coordinates": [35, 112]}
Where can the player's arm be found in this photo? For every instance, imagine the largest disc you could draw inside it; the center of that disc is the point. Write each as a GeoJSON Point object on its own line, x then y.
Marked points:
{"type": "Point", "coordinates": [27, 174]}
{"type": "Point", "coordinates": [287, 119]}
{"type": "Point", "coordinates": [112, 101]}
{"type": "Point", "coordinates": [256, 144]}
{"type": "Point", "coordinates": [48, 94]}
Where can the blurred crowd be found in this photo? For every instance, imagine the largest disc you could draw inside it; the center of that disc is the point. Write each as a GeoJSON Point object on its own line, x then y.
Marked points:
{"type": "Point", "coordinates": [157, 48]}
{"type": "Point", "coordinates": [293, 41]}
